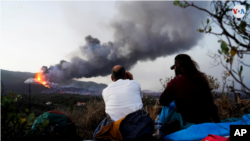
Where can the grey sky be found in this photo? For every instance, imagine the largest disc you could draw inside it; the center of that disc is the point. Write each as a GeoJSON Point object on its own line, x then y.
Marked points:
{"type": "Point", "coordinates": [36, 34]}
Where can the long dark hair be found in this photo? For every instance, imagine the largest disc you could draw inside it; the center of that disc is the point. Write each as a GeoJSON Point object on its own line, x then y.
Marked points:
{"type": "Point", "coordinates": [186, 66]}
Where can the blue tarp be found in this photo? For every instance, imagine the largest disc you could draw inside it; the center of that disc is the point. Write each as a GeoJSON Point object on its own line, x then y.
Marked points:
{"type": "Point", "coordinates": [200, 131]}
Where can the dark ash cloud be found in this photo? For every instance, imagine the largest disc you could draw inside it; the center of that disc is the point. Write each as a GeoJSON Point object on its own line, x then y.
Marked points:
{"type": "Point", "coordinates": [142, 31]}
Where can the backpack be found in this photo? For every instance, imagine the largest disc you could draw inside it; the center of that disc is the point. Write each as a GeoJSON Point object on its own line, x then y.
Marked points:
{"type": "Point", "coordinates": [53, 123]}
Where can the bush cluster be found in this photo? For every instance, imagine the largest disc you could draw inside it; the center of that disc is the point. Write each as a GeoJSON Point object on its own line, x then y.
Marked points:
{"type": "Point", "coordinates": [16, 124]}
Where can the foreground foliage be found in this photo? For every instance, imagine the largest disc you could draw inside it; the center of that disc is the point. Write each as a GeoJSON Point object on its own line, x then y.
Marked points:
{"type": "Point", "coordinates": [15, 124]}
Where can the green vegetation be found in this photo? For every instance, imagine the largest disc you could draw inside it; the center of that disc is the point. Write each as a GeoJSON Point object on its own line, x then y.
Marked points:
{"type": "Point", "coordinates": [15, 123]}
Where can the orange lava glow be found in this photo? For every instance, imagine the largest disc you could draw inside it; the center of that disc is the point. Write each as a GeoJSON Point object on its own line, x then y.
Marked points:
{"type": "Point", "coordinates": [39, 78]}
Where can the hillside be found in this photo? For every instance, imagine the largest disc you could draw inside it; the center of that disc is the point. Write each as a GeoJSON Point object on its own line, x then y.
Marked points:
{"type": "Point", "coordinates": [14, 81]}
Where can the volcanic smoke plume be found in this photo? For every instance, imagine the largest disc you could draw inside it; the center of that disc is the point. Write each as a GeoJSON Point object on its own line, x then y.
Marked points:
{"type": "Point", "coordinates": [142, 31]}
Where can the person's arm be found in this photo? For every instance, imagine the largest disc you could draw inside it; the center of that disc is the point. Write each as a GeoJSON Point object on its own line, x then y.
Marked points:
{"type": "Point", "coordinates": [132, 78]}
{"type": "Point", "coordinates": [167, 96]}
{"type": "Point", "coordinates": [130, 75]}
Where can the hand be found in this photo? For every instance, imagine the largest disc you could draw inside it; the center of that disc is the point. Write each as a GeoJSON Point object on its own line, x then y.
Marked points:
{"type": "Point", "coordinates": [130, 75]}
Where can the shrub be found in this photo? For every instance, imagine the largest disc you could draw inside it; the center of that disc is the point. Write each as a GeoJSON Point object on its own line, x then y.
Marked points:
{"type": "Point", "coordinates": [14, 125]}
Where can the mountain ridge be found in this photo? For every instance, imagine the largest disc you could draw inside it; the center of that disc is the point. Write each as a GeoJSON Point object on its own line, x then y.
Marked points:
{"type": "Point", "coordinates": [14, 81]}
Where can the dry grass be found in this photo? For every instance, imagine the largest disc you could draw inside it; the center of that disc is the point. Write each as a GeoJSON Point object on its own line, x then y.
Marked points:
{"type": "Point", "coordinates": [153, 111]}
{"type": "Point", "coordinates": [228, 108]}
{"type": "Point", "coordinates": [88, 118]}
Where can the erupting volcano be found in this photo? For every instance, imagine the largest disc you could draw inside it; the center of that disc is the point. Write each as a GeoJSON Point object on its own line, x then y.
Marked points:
{"type": "Point", "coordinates": [40, 78]}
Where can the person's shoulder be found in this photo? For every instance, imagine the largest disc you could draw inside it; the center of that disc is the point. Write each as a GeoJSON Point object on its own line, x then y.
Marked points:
{"type": "Point", "coordinates": [104, 91]}
{"type": "Point", "coordinates": [176, 79]}
{"type": "Point", "coordinates": [108, 87]}
{"type": "Point", "coordinates": [179, 78]}
{"type": "Point", "coordinates": [134, 82]}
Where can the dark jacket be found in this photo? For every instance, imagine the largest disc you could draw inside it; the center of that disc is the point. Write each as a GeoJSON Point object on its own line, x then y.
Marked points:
{"type": "Point", "coordinates": [193, 103]}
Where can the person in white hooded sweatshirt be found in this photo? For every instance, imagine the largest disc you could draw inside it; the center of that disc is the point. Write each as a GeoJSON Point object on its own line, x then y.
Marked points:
{"type": "Point", "coordinates": [123, 96]}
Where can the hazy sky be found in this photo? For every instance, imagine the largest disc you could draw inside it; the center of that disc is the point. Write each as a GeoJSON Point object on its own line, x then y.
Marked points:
{"type": "Point", "coordinates": [36, 34]}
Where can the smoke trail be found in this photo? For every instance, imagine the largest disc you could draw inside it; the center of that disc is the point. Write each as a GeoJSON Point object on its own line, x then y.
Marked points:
{"type": "Point", "coordinates": [142, 31]}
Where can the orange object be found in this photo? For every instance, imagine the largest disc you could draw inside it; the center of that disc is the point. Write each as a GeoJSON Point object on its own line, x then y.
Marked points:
{"type": "Point", "coordinates": [39, 77]}
{"type": "Point", "coordinates": [111, 131]}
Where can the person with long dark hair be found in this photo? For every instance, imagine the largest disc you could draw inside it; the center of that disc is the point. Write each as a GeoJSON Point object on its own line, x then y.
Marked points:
{"type": "Point", "coordinates": [191, 92]}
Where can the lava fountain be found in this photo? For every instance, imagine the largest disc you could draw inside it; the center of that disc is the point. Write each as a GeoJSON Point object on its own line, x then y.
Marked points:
{"type": "Point", "coordinates": [40, 79]}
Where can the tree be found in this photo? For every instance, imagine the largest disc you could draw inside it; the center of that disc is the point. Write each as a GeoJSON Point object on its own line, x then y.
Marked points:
{"type": "Point", "coordinates": [234, 38]}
